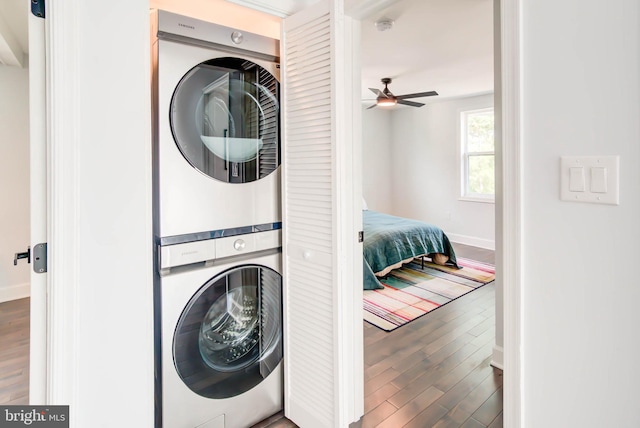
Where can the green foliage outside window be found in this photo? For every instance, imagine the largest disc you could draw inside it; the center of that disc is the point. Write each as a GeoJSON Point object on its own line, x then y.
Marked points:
{"type": "Point", "coordinates": [480, 147]}
{"type": "Point", "coordinates": [482, 175]}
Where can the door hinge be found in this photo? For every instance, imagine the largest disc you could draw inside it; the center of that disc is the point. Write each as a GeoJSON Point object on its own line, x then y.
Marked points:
{"type": "Point", "coordinates": [361, 236]}
{"type": "Point", "coordinates": [37, 8]}
{"type": "Point", "coordinates": [40, 258]}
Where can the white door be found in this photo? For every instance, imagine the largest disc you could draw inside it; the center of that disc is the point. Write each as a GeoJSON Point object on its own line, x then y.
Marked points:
{"type": "Point", "coordinates": [38, 177]}
{"type": "Point", "coordinates": [321, 219]}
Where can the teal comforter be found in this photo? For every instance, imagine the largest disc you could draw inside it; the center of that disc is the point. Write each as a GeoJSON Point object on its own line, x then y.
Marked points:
{"type": "Point", "coordinates": [389, 240]}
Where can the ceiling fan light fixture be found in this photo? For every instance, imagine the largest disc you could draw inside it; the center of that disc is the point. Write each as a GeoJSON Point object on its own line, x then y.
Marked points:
{"type": "Point", "coordinates": [386, 102]}
{"type": "Point", "coordinates": [386, 98]}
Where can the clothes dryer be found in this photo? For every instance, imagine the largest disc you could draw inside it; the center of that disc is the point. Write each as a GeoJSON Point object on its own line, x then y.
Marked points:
{"type": "Point", "coordinates": [221, 324]}
{"type": "Point", "coordinates": [217, 129]}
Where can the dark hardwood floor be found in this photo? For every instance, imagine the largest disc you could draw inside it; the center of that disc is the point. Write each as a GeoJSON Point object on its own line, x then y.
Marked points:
{"type": "Point", "coordinates": [14, 352]}
{"type": "Point", "coordinates": [432, 372]}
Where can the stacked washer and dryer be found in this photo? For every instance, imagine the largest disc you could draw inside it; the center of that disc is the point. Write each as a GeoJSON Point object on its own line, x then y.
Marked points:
{"type": "Point", "coordinates": [218, 285]}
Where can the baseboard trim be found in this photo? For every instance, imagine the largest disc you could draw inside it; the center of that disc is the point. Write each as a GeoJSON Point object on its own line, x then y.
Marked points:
{"type": "Point", "coordinates": [14, 292]}
{"type": "Point", "coordinates": [497, 360]}
{"type": "Point", "coordinates": [487, 244]}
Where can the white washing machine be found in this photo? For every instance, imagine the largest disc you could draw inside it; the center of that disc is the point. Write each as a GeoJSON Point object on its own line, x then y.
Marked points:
{"type": "Point", "coordinates": [217, 129]}
{"type": "Point", "coordinates": [221, 325]}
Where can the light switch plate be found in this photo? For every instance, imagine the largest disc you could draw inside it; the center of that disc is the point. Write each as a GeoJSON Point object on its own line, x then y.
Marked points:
{"type": "Point", "coordinates": [606, 192]}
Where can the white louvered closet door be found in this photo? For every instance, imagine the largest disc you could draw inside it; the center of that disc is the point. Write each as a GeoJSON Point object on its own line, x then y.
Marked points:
{"type": "Point", "coordinates": [322, 259]}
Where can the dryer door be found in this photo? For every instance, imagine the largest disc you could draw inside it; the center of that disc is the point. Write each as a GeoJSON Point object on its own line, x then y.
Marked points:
{"type": "Point", "coordinates": [225, 119]}
{"type": "Point", "coordinates": [229, 336]}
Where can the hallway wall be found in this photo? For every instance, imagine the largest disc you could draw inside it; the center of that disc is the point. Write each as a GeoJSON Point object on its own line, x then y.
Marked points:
{"type": "Point", "coordinates": [14, 181]}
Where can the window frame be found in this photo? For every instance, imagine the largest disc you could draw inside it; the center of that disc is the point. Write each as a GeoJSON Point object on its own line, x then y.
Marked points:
{"type": "Point", "coordinates": [463, 161]}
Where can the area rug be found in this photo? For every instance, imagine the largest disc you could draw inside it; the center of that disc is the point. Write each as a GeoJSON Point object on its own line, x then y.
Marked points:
{"type": "Point", "coordinates": [411, 292]}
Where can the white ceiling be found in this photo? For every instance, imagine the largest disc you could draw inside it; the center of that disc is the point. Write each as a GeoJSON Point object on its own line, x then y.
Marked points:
{"type": "Point", "coordinates": [442, 45]}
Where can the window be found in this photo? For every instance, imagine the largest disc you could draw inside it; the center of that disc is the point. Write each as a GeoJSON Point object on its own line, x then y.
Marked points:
{"type": "Point", "coordinates": [478, 155]}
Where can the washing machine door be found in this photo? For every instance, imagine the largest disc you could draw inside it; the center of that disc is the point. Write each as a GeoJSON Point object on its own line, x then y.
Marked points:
{"type": "Point", "coordinates": [229, 336]}
{"type": "Point", "coordinates": [225, 119]}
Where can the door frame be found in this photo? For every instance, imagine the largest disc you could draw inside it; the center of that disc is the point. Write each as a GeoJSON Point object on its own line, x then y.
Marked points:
{"type": "Point", "coordinates": [510, 222]}
{"type": "Point", "coordinates": [38, 210]}
{"type": "Point", "coordinates": [509, 209]}
{"type": "Point", "coordinates": [63, 204]}
{"type": "Point", "coordinates": [53, 356]}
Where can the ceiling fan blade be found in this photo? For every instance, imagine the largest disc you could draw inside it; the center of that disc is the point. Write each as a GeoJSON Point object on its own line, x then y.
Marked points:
{"type": "Point", "coordinates": [378, 92]}
{"type": "Point", "coordinates": [417, 95]}
{"type": "Point", "coordinates": [410, 103]}
{"type": "Point", "coordinates": [372, 106]}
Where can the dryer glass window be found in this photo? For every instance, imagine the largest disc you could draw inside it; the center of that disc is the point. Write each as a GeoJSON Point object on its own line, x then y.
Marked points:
{"type": "Point", "coordinates": [225, 119]}
{"type": "Point", "coordinates": [229, 337]}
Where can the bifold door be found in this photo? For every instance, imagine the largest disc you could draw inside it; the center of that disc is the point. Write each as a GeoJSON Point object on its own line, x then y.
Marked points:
{"type": "Point", "coordinates": [322, 258]}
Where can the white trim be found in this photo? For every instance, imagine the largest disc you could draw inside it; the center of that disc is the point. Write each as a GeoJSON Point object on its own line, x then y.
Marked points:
{"type": "Point", "coordinates": [512, 236]}
{"type": "Point", "coordinates": [281, 8]}
{"type": "Point", "coordinates": [348, 333]}
{"type": "Point", "coordinates": [464, 155]}
{"type": "Point", "coordinates": [477, 199]}
{"type": "Point", "coordinates": [38, 172]}
{"type": "Point", "coordinates": [488, 244]}
{"type": "Point", "coordinates": [497, 360]}
{"type": "Point", "coordinates": [351, 200]}
{"type": "Point", "coordinates": [63, 108]}
{"type": "Point", "coordinates": [14, 292]}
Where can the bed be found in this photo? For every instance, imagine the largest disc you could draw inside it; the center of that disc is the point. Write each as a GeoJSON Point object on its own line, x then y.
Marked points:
{"type": "Point", "coordinates": [391, 241]}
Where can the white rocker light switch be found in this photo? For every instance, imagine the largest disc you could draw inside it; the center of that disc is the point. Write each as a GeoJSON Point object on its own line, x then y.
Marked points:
{"type": "Point", "coordinates": [576, 179]}
{"type": "Point", "coordinates": [599, 180]}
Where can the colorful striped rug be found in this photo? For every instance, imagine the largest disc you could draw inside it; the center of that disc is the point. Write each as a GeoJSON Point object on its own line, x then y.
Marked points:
{"type": "Point", "coordinates": [410, 292]}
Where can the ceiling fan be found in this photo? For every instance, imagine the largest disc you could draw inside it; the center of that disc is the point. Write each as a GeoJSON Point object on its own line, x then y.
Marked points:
{"type": "Point", "coordinates": [386, 98]}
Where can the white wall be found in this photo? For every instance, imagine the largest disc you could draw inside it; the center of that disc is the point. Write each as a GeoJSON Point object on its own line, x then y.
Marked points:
{"type": "Point", "coordinates": [377, 141]}
{"type": "Point", "coordinates": [581, 96]}
{"type": "Point", "coordinates": [101, 249]}
{"type": "Point", "coordinates": [425, 183]}
{"type": "Point", "coordinates": [14, 181]}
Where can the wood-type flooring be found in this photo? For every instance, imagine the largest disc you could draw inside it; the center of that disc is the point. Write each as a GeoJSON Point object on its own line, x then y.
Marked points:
{"type": "Point", "coordinates": [14, 352]}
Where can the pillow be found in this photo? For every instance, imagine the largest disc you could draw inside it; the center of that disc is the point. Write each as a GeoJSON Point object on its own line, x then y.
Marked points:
{"type": "Point", "coordinates": [364, 204]}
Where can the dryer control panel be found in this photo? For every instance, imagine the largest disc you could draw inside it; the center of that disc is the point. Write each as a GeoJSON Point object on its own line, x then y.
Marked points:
{"type": "Point", "coordinates": [211, 249]}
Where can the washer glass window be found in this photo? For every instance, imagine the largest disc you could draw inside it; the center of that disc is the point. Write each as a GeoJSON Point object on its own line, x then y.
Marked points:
{"type": "Point", "coordinates": [229, 336]}
{"type": "Point", "coordinates": [225, 119]}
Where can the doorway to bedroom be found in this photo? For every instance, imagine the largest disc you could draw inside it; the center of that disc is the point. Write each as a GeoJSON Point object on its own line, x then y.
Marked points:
{"type": "Point", "coordinates": [436, 164]}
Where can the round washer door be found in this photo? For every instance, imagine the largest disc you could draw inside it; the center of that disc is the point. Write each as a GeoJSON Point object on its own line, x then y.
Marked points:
{"type": "Point", "coordinates": [225, 119]}
{"type": "Point", "coordinates": [229, 336]}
